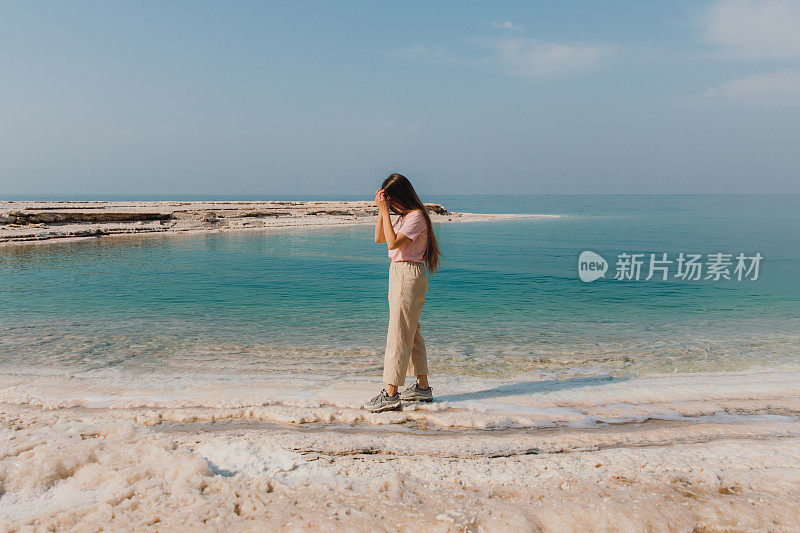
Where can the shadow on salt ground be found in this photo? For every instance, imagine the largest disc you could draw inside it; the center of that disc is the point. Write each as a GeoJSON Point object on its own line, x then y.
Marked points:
{"type": "Point", "coordinates": [531, 387]}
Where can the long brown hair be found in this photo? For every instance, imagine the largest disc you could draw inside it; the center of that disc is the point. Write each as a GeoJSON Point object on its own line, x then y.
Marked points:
{"type": "Point", "coordinates": [401, 198]}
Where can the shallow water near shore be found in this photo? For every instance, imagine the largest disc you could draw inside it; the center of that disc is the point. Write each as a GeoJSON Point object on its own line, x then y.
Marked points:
{"type": "Point", "coordinates": [507, 301]}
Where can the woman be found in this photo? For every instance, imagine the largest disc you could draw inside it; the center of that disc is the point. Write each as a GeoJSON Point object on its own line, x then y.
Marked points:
{"type": "Point", "coordinates": [412, 248]}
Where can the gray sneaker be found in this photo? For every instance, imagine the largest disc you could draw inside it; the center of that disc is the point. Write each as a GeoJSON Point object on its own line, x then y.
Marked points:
{"type": "Point", "coordinates": [415, 394]}
{"type": "Point", "coordinates": [383, 402]}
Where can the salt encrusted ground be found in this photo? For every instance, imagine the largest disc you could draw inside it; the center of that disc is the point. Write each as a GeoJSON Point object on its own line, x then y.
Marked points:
{"type": "Point", "coordinates": [717, 452]}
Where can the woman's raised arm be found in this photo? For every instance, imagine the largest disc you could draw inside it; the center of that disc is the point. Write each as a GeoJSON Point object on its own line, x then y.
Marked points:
{"type": "Point", "coordinates": [379, 223]}
{"type": "Point", "coordinates": [393, 240]}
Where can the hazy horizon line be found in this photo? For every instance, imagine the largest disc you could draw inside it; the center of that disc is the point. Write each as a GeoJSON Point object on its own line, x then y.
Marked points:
{"type": "Point", "coordinates": [172, 196]}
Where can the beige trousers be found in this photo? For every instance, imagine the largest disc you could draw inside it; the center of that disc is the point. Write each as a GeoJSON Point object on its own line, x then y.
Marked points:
{"type": "Point", "coordinates": [405, 350]}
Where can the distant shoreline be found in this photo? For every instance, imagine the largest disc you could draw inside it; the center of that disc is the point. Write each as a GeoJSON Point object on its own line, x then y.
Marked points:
{"type": "Point", "coordinates": [35, 221]}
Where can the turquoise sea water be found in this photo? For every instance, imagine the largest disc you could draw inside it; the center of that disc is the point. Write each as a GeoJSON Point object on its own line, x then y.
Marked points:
{"type": "Point", "coordinates": [507, 299]}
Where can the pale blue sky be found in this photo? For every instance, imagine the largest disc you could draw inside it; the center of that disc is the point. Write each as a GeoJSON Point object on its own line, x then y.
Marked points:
{"type": "Point", "coordinates": [463, 97]}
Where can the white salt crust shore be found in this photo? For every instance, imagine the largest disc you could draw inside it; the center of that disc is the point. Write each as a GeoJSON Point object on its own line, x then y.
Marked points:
{"type": "Point", "coordinates": [34, 221]}
{"type": "Point", "coordinates": [685, 452]}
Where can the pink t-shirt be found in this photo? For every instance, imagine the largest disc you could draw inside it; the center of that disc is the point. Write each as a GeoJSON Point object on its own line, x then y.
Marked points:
{"type": "Point", "coordinates": [413, 226]}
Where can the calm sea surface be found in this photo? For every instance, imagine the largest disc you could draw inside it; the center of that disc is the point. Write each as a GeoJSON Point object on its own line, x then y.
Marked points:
{"type": "Point", "coordinates": [506, 301]}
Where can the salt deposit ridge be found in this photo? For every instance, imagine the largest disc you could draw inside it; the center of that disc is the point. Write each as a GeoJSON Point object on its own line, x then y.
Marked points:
{"type": "Point", "coordinates": [709, 452]}
{"type": "Point", "coordinates": [23, 221]}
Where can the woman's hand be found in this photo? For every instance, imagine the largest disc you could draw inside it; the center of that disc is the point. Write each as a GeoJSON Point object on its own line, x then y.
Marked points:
{"type": "Point", "coordinates": [380, 199]}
